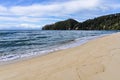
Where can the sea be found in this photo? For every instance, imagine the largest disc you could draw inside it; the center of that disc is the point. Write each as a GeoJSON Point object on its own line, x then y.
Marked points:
{"type": "Point", "coordinates": [18, 44]}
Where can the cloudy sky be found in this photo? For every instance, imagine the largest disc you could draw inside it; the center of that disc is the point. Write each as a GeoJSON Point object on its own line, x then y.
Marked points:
{"type": "Point", "coordinates": [33, 14]}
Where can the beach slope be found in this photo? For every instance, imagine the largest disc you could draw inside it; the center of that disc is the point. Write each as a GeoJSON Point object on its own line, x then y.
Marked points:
{"type": "Point", "coordinates": [98, 59]}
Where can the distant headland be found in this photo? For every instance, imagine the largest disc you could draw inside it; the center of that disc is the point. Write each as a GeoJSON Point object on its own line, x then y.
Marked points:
{"type": "Point", "coordinates": [107, 22]}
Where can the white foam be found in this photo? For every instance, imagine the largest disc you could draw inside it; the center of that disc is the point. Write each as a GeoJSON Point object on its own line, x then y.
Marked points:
{"type": "Point", "coordinates": [9, 57]}
{"type": "Point", "coordinates": [76, 42]}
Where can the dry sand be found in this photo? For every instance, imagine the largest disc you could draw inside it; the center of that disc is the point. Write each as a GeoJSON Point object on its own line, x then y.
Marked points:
{"type": "Point", "coordinates": [96, 60]}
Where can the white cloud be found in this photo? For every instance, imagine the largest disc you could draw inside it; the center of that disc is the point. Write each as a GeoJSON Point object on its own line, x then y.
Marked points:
{"type": "Point", "coordinates": [27, 26]}
{"type": "Point", "coordinates": [26, 19]}
{"type": "Point", "coordinates": [55, 8]}
{"type": "Point", "coordinates": [19, 19]}
{"type": "Point", "coordinates": [40, 12]}
{"type": "Point", "coordinates": [19, 26]}
{"type": "Point", "coordinates": [114, 6]}
{"type": "Point", "coordinates": [3, 9]}
{"type": "Point", "coordinates": [51, 9]}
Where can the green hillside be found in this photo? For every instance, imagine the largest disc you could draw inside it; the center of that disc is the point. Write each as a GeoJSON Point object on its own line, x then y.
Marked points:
{"type": "Point", "coordinates": [62, 25]}
{"type": "Point", "coordinates": [107, 22]}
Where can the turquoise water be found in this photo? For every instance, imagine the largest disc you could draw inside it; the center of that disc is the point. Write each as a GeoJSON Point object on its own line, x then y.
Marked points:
{"type": "Point", "coordinates": [19, 44]}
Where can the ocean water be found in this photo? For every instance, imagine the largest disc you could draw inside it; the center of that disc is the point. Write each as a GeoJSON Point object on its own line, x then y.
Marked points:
{"type": "Point", "coordinates": [26, 43]}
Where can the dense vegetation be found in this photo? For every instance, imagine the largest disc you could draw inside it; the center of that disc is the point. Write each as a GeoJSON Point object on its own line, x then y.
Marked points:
{"type": "Point", "coordinates": [108, 22]}
{"type": "Point", "coordinates": [62, 25]}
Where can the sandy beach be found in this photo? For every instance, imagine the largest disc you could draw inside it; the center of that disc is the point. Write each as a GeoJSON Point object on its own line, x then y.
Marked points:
{"type": "Point", "coordinates": [98, 59]}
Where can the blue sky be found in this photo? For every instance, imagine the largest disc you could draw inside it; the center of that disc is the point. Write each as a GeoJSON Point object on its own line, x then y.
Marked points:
{"type": "Point", "coordinates": [33, 14]}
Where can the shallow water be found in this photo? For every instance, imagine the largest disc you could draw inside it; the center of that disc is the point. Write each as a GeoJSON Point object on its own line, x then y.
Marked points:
{"type": "Point", "coordinates": [18, 44]}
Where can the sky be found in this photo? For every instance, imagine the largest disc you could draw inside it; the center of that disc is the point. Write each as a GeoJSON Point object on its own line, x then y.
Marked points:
{"type": "Point", "coordinates": [34, 14]}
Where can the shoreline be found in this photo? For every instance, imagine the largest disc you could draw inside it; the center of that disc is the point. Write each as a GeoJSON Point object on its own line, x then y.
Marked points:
{"type": "Point", "coordinates": [97, 59]}
{"type": "Point", "coordinates": [72, 45]}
